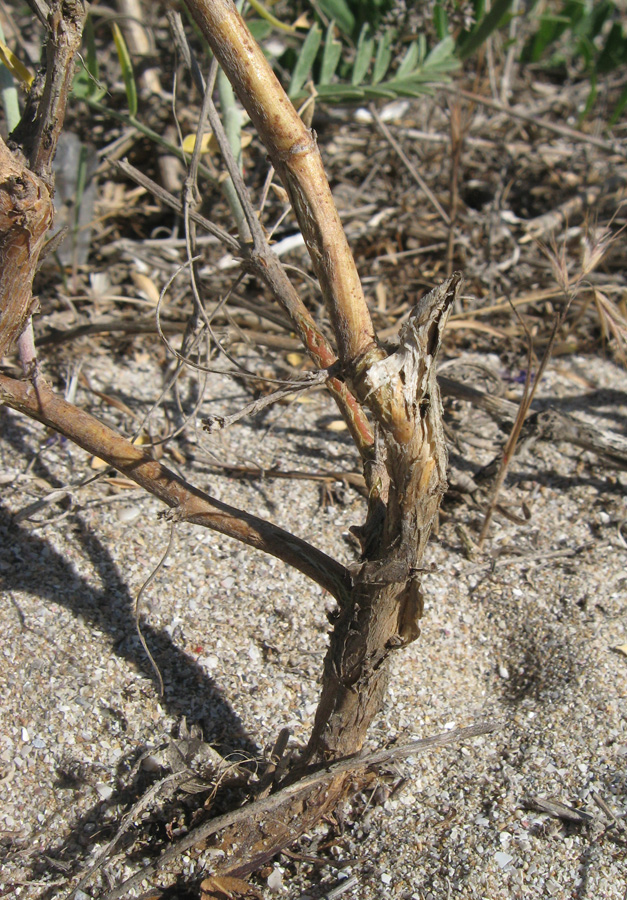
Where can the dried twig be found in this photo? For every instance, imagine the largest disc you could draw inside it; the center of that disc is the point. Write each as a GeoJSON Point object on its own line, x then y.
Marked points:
{"type": "Point", "coordinates": [614, 148]}
{"type": "Point", "coordinates": [411, 168]}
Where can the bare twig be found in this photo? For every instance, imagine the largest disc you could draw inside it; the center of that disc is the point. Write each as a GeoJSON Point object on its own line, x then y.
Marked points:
{"type": "Point", "coordinates": [44, 115]}
{"type": "Point", "coordinates": [296, 158]}
{"type": "Point", "coordinates": [529, 390]}
{"type": "Point", "coordinates": [217, 423]}
{"type": "Point", "coordinates": [267, 267]}
{"type": "Point", "coordinates": [174, 203]}
{"type": "Point", "coordinates": [140, 594]}
{"type": "Point", "coordinates": [563, 130]}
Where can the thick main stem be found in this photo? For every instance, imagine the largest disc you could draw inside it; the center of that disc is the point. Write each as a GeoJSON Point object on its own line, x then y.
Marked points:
{"type": "Point", "coordinates": [407, 473]}
{"type": "Point", "coordinates": [25, 216]}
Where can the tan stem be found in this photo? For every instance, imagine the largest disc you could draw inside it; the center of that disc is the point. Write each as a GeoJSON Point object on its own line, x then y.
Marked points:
{"type": "Point", "coordinates": [265, 264]}
{"type": "Point", "coordinates": [294, 153]}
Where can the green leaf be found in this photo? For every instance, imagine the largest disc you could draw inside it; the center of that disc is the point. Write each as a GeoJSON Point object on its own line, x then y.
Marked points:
{"type": "Point", "coordinates": [383, 57]}
{"type": "Point", "coordinates": [89, 42]}
{"type": "Point", "coordinates": [592, 95]}
{"type": "Point", "coordinates": [409, 61]}
{"type": "Point", "coordinates": [597, 17]}
{"type": "Point", "coordinates": [480, 9]}
{"type": "Point", "coordinates": [330, 56]}
{"type": "Point", "coordinates": [127, 69]}
{"type": "Point", "coordinates": [440, 21]}
{"type": "Point", "coordinates": [340, 12]}
{"type": "Point", "coordinates": [305, 60]}
{"type": "Point", "coordinates": [614, 53]}
{"type": "Point", "coordinates": [410, 87]}
{"type": "Point", "coordinates": [484, 28]}
{"type": "Point", "coordinates": [259, 28]}
{"type": "Point", "coordinates": [339, 93]}
{"type": "Point", "coordinates": [619, 108]}
{"type": "Point", "coordinates": [442, 55]}
{"type": "Point", "coordinates": [375, 91]}
{"type": "Point", "coordinates": [363, 55]}
{"type": "Point", "coordinates": [86, 84]}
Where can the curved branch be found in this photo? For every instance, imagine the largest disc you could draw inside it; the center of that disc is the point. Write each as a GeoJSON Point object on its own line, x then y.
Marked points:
{"type": "Point", "coordinates": [37, 400]}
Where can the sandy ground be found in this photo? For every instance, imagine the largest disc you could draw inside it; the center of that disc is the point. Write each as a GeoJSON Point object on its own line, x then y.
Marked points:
{"type": "Point", "coordinates": [523, 635]}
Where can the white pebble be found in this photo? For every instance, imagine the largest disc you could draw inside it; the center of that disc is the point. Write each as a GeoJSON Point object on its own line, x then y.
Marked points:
{"type": "Point", "coordinates": [502, 859]}
{"type": "Point", "coordinates": [275, 880]}
{"type": "Point", "coordinates": [104, 791]}
{"type": "Point", "coordinates": [128, 515]}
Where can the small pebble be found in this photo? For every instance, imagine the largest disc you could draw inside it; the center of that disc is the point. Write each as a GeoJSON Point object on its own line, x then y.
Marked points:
{"type": "Point", "coordinates": [130, 514]}
{"type": "Point", "coordinates": [104, 791]}
{"type": "Point", "coordinates": [151, 764]}
{"type": "Point", "coordinates": [502, 859]}
{"type": "Point", "coordinates": [275, 880]}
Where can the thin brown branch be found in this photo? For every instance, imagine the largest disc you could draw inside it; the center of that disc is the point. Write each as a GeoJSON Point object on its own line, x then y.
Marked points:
{"type": "Point", "coordinates": [173, 202]}
{"type": "Point", "coordinates": [39, 401]}
{"type": "Point", "coordinates": [41, 126]}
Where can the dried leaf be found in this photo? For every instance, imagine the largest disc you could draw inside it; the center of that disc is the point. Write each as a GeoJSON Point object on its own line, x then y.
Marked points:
{"type": "Point", "coordinates": [209, 143]}
{"type": "Point", "coordinates": [280, 192]}
{"type": "Point", "coordinates": [147, 287]}
{"type": "Point", "coordinates": [15, 66]}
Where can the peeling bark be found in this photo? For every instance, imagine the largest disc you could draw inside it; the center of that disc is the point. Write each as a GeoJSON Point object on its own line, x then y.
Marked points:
{"type": "Point", "coordinates": [25, 216]}
{"type": "Point", "coordinates": [386, 601]}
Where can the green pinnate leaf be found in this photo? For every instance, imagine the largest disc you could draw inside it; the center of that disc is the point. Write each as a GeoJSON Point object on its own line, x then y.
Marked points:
{"type": "Point", "coordinates": [305, 60]}
{"type": "Point", "coordinates": [383, 56]}
{"type": "Point", "coordinates": [363, 56]}
{"type": "Point", "coordinates": [340, 12]}
{"type": "Point", "coordinates": [127, 69]}
{"type": "Point", "coordinates": [330, 56]}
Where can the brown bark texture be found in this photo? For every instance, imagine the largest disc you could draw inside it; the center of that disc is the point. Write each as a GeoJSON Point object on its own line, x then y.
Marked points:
{"type": "Point", "coordinates": [25, 216]}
